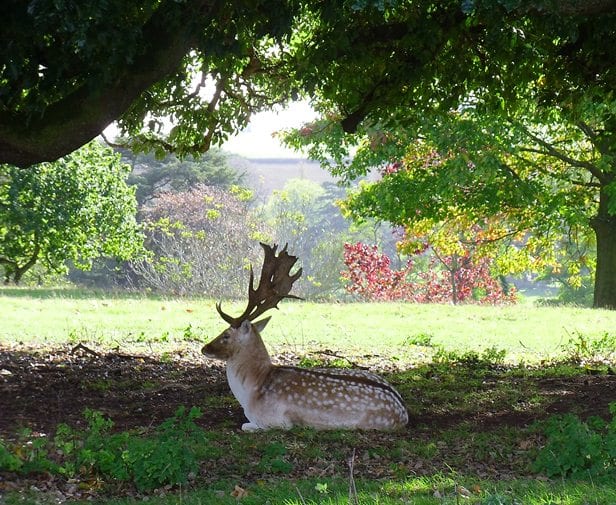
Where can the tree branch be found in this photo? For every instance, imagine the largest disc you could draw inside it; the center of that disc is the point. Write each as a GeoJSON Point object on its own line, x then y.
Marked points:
{"type": "Point", "coordinates": [587, 130]}
{"type": "Point", "coordinates": [550, 150]}
{"type": "Point", "coordinates": [79, 117]}
{"type": "Point", "coordinates": [211, 108]}
{"type": "Point", "coordinates": [553, 175]}
{"type": "Point", "coordinates": [6, 261]}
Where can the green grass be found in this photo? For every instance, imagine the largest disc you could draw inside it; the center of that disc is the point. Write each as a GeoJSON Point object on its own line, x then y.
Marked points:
{"type": "Point", "coordinates": [437, 490]}
{"type": "Point", "coordinates": [43, 316]}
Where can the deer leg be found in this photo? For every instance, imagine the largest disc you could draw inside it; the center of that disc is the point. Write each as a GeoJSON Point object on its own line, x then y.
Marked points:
{"type": "Point", "coordinates": [250, 427]}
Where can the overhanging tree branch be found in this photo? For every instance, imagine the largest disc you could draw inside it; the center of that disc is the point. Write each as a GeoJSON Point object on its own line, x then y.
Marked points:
{"type": "Point", "coordinates": [550, 150]}
{"type": "Point", "coordinates": [79, 117]}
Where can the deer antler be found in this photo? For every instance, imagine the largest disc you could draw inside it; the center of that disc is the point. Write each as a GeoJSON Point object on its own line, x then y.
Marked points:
{"type": "Point", "coordinates": [275, 283]}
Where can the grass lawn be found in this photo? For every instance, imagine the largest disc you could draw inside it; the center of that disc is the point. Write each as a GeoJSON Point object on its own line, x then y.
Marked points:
{"type": "Point", "coordinates": [53, 317]}
{"type": "Point", "coordinates": [471, 440]}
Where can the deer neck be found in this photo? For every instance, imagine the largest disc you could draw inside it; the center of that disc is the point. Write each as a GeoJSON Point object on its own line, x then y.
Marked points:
{"type": "Point", "coordinates": [247, 370]}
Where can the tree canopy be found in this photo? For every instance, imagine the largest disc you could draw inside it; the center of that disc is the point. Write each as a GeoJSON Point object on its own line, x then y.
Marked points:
{"type": "Point", "coordinates": [76, 209]}
{"type": "Point", "coordinates": [68, 70]}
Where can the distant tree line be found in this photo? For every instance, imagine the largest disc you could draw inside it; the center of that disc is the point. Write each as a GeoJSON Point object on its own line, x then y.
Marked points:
{"type": "Point", "coordinates": [188, 227]}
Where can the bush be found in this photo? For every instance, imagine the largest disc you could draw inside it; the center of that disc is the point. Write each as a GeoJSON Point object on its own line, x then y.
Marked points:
{"type": "Point", "coordinates": [200, 242]}
{"type": "Point", "coordinates": [578, 448]}
{"type": "Point", "coordinates": [448, 279]}
{"type": "Point", "coordinates": [166, 457]}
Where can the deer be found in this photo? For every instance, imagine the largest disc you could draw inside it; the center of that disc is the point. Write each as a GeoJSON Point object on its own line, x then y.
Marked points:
{"type": "Point", "coordinates": [283, 397]}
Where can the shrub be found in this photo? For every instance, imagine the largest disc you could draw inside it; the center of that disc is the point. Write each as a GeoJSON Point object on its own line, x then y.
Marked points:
{"type": "Point", "coordinates": [578, 448]}
{"type": "Point", "coordinates": [444, 279]}
{"type": "Point", "coordinates": [165, 457]}
{"type": "Point", "coordinates": [200, 242]}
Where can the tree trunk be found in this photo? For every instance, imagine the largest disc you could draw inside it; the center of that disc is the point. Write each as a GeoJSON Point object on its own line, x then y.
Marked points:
{"type": "Point", "coordinates": [17, 275]}
{"type": "Point", "coordinates": [604, 226]}
{"type": "Point", "coordinates": [16, 272]}
{"type": "Point", "coordinates": [453, 270]}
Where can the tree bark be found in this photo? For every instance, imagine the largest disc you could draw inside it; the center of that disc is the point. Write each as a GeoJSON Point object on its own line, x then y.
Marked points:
{"type": "Point", "coordinates": [604, 226]}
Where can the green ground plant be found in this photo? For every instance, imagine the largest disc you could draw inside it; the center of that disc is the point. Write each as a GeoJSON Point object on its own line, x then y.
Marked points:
{"type": "Point", "coordinates": [582, 349]}
{"type": "Point", "coordinates": [582, 449]}
{"type": "Point", "coordinates": [167, 456]}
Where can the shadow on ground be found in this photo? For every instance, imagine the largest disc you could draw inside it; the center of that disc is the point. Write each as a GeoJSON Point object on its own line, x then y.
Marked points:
{"type": "Point", "coordinates": [39, 390]}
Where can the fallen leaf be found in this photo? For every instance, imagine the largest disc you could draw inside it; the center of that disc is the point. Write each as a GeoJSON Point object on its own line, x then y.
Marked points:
{"type": "Point", "coordinates": [527, 444]}
{"type": "Point", "coordinates": [239, 492]}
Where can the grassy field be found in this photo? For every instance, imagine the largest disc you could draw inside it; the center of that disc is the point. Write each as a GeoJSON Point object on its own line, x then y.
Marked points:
{"type": "Point", "coordinates": [443, 459]}
{"type": "Point", "coordinates": [524, 331]}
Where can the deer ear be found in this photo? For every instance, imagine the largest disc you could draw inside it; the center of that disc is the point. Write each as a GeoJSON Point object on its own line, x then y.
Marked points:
{"type": "Point", "coordinates": [261, 324]}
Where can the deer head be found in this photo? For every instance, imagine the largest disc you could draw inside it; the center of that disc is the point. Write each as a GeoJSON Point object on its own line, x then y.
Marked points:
{"type": "Point", "coordinates": [245, 340]}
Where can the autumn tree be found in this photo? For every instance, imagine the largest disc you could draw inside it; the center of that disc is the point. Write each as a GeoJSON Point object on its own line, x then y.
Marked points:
{"type": "Point", "coordinates": [76, 209]}
{"type": "Point", "coordinates": [534, 184]}
{"type": "Point", "coordinates": [426, 277]}
{"type": "Point", "coordinates": [519, 111]}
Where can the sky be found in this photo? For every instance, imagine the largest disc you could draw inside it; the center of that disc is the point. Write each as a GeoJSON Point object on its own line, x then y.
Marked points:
{"type": "Point", "coordinates": [258, 140]}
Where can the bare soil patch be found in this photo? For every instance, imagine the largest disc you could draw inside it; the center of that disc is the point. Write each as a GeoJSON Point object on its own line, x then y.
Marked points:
{"type": "Point", "coordinates": [39, 389]}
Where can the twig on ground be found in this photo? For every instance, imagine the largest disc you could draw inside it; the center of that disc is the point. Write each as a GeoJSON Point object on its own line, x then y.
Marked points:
{"type": "Point", "coordinates": [301, 498]}
{"type": "Point", "coordinates": [354, 364]}
{"type": "Point", "coordinates": [352, 489]}
{"type": "Point", "coordinates": [81, 347]}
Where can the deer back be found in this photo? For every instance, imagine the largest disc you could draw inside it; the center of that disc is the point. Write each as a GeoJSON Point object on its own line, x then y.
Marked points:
{"type": "Point", "coordinates": [330, 399]}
